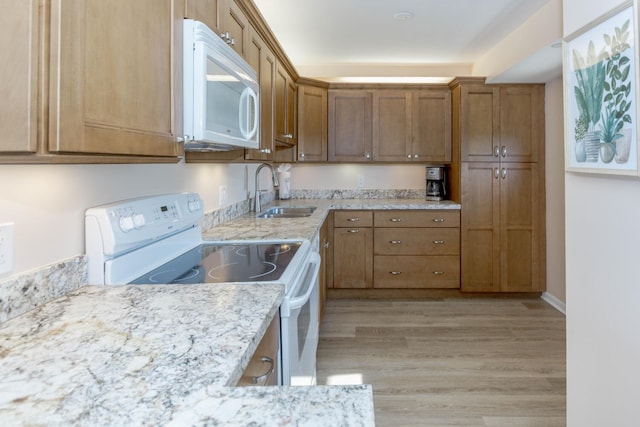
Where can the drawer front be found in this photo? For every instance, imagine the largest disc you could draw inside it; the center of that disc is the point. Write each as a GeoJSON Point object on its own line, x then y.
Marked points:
{"type": "Point", "coordinates": [417, 218]}
{"type": "Point", "coordinates": [352, 219]}
{"type": "Point", "coordinates": [416, 241]}
{"type": "Point", "coordinates": [425, 272]}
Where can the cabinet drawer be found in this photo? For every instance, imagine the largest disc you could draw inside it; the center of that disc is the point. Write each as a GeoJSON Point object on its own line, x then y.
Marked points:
{"type": "Point", "coordinates": [352, 219]}
{"type": "Point", "coordinates": [417, 218]}
{"type": "Point", "coordinates": [416, 241]}
{"type": "Point", "coordinates": [416, 272]}
{"type": "Point", "coordinates": [263, 366]}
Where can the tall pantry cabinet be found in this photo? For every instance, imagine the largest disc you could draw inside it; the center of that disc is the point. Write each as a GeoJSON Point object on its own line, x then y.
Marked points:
{"type": "Point", "coordinates": [498, 176]}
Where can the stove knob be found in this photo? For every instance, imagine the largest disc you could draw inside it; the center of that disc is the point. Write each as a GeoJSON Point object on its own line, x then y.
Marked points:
{"type": "Point", "coordinates": [193, 205]}
{"type": "Point", "coordinates": [126, 223]}
{"type": "Point", "coordinates": [138, 220]}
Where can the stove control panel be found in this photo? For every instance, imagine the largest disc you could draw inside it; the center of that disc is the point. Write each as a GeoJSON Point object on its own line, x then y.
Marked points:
{"type": "Point", "coordinates": [122, 226]}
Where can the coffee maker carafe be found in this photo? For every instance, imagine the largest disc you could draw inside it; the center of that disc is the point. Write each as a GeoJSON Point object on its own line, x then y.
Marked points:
{"type": "Point", "coordinates": [436, 183]}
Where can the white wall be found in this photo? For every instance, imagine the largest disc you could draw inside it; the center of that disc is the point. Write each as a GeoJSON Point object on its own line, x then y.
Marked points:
{"type": "Point", "coordinates": [554, 169]}
{"type": "Point", "coordinates": [603, 287]}
{"type": "Point", "coordinates": [47, 202]}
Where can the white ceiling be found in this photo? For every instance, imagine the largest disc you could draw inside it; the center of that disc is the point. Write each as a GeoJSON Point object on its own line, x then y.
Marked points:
{"type": "Point", "coordinates": [330, 39]}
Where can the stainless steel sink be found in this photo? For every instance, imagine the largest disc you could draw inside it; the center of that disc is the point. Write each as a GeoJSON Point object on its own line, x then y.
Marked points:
{"type": "Point", "coordinates": [287, 212]}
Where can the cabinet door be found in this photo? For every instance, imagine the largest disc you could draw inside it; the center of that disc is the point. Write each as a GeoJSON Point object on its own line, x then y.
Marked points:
{"type": "Point", "coordinates": [350, 126]}
{"type": "Point", "coordinates": [479, 123]}
{"type": "Point", "coordinates": [19, 33]}
{"type": "Point", "coordinates": [391, 125]}
{"type": "Point", "coordinates": [352, 258]}
{"type": "Point", "coordinates": [521, 248]}
{"type": "Point", "coordinates": [205, 11]}
{"type": "Point", "coordinates": [480, 227]}
{"type": "Point", "coordinates": [116, 77]}
{"type": "Point", "coordinates": [285, 106]}
{"type": "Point", "coordinates": [431, 125]}
{"type": "Point", "coordinates": [234, 22]}
{"type": "Point", "coordinates": [521, 123]}
{"type": "Point", "coordinates": [312, 124]}
{"type": "Point", "coordinates": [323, 281]}
{"type": "Point", "coordinates": [260, 57]}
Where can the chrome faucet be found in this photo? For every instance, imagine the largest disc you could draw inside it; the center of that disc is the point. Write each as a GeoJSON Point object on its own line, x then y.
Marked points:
{"type": "Point", "coordinates": [256, 205]}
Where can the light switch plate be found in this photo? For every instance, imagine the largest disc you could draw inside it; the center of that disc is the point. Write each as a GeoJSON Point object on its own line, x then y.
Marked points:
{"type": "Point", "coordinates": [6, 247]}
{"type": "Point", "coordinates": [360, 181]}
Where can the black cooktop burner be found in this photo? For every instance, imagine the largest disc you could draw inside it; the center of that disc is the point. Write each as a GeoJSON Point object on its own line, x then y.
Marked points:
{"type": "Point", "coordinates": [216, 263]}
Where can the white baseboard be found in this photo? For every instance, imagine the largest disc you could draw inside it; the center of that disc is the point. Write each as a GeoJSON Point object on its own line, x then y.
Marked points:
{"type": "Point", "coordinates": [554, 302]}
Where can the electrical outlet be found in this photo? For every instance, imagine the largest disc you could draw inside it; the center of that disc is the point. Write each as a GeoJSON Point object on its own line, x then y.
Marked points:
{"type": "Point", "coordinates": [6, 247]}
{"type": "Point", "coordinates": [223, 195]}
{"type": "Point", "coordinates": [360, 181]}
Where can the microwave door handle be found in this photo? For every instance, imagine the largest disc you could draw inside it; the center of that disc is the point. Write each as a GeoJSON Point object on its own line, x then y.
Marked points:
{"type": "Point", "coordinates": [301, 300]}
{"type": "Point", "coordinates": [252, 101]}
{"type": "Point", "coordinates": [243, 113]}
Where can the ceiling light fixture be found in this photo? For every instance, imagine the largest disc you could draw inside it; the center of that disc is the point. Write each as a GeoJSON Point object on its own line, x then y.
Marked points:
{"type": "Point", "coordinates": [403, 15]}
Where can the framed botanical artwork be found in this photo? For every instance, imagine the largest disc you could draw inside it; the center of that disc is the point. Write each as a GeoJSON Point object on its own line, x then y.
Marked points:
{"type": "Point", "coordinates": [600, 95]}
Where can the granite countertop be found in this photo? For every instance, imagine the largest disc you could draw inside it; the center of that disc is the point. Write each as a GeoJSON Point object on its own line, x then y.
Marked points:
{"type": "Point", "coordinates": [249, 227]}
{"type": "Point", "coordinates": [156, 355]}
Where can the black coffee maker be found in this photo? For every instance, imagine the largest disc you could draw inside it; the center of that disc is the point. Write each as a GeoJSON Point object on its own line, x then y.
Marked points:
{"type": "Point", "coordinates": [436, 183]}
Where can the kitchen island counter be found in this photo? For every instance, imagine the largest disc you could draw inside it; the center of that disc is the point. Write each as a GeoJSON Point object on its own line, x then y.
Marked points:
{"type": "Point", "coordinates": [156, 355]}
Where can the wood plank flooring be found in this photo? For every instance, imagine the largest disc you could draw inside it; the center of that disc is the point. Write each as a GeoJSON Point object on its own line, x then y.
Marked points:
{"type": "Point", "coordinates": [450, 362]}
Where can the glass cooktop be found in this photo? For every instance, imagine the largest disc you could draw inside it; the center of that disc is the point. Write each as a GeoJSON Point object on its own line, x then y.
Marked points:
{"type": "Point", "coordinates": [217, 263]}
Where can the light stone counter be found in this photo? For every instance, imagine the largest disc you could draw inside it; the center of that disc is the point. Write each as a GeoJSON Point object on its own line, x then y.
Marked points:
{"type": "Point", "coordinates": [156, 355]}
{"type": "Point", "coordinates": [249, 227]}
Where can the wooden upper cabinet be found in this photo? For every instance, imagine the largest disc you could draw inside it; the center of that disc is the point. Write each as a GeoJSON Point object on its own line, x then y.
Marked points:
{"type": "Point", "coordinates": [19, 33]}
{"type": "Point", "coordinates": [204, 11]}
{"type": "Point", "coordinates": [350, 129]}
{"type": "Point", "coordinates": [260, 57]}
{"type": "Point", "coordinates": [501, 123]}
{"type": "Point", "coordinates": [391, 125]}
{"type": "Point", "coordinates": [285, 106]}
{"type": "Point", "coordinates": [234, 26]}
{"type": "Point", "coordinates": [312, 124]}
{"type": "Point", "coordinates": [431, 125]}
{"type": "Point", "coordinates": [116, 77]}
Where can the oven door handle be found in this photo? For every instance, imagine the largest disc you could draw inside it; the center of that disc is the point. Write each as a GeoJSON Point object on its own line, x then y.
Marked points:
{"type": "Point", "coordinates": [301, 300]}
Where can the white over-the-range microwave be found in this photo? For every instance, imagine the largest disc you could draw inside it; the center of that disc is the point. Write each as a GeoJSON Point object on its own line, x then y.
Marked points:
{"type": "Point", "coordinates": [221, 94]}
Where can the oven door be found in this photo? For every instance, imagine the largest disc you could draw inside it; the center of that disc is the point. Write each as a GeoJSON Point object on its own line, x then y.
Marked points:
{"type": "Point", "coordinates": [299, 327]}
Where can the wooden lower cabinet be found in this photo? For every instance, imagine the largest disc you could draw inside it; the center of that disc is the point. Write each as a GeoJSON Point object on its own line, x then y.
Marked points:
{"type": "Point", "coordinates": [411, 272]}
{"type": "Point", "coordinates": [353, 250]}
{"type": "Point", "coordinates": [263, 366]}
{"type": "Point", "coordinates": [396, 249]}
{"type": "Point", "coordinates": [416, 249]}
{"type": "Point", "coordinates": [502, 228]}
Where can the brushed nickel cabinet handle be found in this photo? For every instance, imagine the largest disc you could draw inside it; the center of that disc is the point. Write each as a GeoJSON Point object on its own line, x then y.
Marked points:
{"type": "Point", "coordinates": [326, 244]}
{"type": "Point", "coordinates": [438, 273]}
{"type": "Point", "coordinates": [395, 219]}
{"type": "Point", "coordinates": [504, 151]}
{"type": "Point", "coordinates": [438, 242]}
{"type": "Point", "coordinates": [395, 273]}
{"type": "Point", "coordinates": [264, 377]}
{"type": "Point", "coordinates": [497, 173]}
{"type": "Point", "coordinates": [395, 242]}
{"type": "Point", "coordinates": [504, 173]}
{"type": "Point", "coordinates": [496, 151]}
{"type": "Point", "coordinates": [353, 219]}
{"type": "Point", "coordinates": [355, 230]}
{"type": "Point", "coordinates": [438, 220]}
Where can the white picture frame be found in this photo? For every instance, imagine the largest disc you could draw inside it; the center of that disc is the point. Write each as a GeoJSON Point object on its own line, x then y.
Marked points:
{"type": "Point", "coordinates": [600, 72]}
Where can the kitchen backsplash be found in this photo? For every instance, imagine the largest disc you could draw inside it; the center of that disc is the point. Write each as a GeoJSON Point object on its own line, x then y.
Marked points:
{"type": "Point", "coordinates": [358, 194]}
{"type": "Point", "coordinates": [24, 292]}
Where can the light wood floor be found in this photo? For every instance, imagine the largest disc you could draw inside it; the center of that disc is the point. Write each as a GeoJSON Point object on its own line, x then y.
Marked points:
{"type": "Point", "coordinates": [451, 362]}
